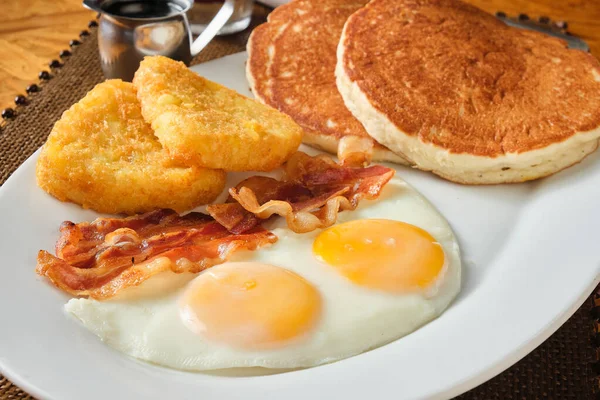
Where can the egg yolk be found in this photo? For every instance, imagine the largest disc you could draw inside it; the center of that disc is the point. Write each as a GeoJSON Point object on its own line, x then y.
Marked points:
{"type": "Point", "coordinates": [250, 305]}
{"type": "Point", "coordinates": [381, 254]}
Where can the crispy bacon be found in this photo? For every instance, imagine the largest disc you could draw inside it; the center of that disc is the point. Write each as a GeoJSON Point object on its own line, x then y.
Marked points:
{"type": "Point", "coordinates": [237, 219]}
{"type": "Point", "coordinates": [312, 192]}
{"type": "Point", "coordinates": [355, 151]}
{"type": "Point", "coordinates": [101, 258]}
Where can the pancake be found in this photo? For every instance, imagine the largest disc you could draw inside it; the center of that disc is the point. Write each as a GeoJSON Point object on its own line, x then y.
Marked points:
{"type": "Point", "coordinates": [102, 155]}
{"type": "Point", "coordinates": [465, 96]}
{"type": "Point", "coordinates": [291, 66]}
{"type": "Point", "coordinates": [201, 123]}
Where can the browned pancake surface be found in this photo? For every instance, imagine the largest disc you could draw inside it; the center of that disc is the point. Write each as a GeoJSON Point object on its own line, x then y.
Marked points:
{"type": "Point", "coordinates": [292, 60]}
{"type": "Point", "coordinates": [459, 78]}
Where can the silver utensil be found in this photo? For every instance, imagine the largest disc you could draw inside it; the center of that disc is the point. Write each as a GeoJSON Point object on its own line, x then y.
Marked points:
{"type": "Point", "coordinates": [129, 30]}
{"type": "Point", "coordinates": [214, 27]}
{"type": "Point", "coordinates": [547, 26]}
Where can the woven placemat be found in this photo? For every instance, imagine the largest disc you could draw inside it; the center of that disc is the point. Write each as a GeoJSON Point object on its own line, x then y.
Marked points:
{"type": "Point", "coordinates": [564, 367]}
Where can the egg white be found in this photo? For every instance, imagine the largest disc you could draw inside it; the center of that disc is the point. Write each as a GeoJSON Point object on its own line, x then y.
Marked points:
{"type": "Point", "coordinates": [144, 323]}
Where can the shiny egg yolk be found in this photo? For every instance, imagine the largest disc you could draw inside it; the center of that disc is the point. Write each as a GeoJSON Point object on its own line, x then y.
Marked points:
{"type": "Point", "coordinates": [250, 305]}
{"type": "Point", "coordinates": [381, 254]}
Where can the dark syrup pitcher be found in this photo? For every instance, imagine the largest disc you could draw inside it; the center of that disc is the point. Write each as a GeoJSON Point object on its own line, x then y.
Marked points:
{"type": "Point", "coordinates": [142, 9]}
{"type": "Point", "coordinates": [130, 30]}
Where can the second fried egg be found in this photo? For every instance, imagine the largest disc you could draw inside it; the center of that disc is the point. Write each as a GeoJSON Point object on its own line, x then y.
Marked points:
{"type": "Point", "coordinates": [381, 272]}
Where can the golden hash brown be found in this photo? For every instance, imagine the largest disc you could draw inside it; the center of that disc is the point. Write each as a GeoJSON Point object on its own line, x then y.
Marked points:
{"type": "Point", "coordinates": [203, 123]}
{"type": "Point", "coordinates": [103, 155]}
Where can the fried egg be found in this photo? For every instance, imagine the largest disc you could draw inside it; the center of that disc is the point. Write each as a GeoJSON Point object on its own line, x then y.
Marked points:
{"type": "Point", "coordinates": [382, 271]}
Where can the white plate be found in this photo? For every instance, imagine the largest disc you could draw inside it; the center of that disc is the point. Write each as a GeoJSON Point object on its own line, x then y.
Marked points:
{"type": "Point", "coordinates": [530, 255]}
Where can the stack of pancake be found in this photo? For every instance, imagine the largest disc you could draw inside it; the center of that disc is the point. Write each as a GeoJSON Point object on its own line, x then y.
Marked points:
{"type": "Point", "coordinates": [438, 84]}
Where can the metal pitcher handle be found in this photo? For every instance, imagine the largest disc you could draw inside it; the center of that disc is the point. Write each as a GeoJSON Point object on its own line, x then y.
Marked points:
{"type": "Point", "coordinates": [225, 12]}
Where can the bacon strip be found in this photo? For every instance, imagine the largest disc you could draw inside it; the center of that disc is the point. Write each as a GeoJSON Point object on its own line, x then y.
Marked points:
{"type": "Point", "coordinates": [355, 151]}
{"type": "Point", "coordinates": [306, 216]}
{"type": "Point", "coordinates": [101, 258]}
{"type": "Point", "coordinates": [310, 196]}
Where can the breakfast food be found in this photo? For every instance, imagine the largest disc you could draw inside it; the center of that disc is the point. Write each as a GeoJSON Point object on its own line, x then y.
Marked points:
{"type": "Point", "coordinates": [102, 258]}
{"type": "Point", "coordinates": [291, 64]}
{"type": "Point", "coordinates": [333, 276]}
{"type": "Point", "coordinates": [355, 151]}
{"type": "Point", "coordinates": [202, 123]}
{"type": "Point", "coordinates": [463, 95]}
{"type": "Point", "coordinates": [102, 155]}
{"type": "Point", "coordinates": [385, 269]}
{"type": "Point", "coordinates": [310, 195]}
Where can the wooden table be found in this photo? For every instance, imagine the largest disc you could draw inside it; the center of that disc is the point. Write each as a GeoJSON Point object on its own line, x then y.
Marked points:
{"type": "Point", "coordinates": [33, 32]}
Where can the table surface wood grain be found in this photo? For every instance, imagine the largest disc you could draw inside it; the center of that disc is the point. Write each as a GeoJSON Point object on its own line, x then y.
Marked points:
{"type": "Point", "coordinates": [33, 32]}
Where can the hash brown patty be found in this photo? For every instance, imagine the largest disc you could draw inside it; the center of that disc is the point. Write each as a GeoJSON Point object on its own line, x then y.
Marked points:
{"type": "Point", "coordinates": [102, 155]}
